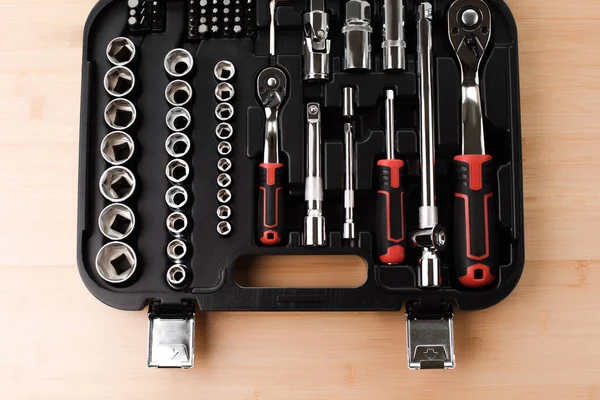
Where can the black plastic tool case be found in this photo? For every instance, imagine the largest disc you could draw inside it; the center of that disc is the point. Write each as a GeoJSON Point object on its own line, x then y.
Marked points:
{"type": "Point", "coordinates": [213, 257]}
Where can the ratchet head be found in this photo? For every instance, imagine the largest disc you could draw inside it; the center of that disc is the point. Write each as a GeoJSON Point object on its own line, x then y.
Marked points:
{"type": "Point", "coordinates": [469, 30]}
{"type": "Point", "coordinates": [271, 87]}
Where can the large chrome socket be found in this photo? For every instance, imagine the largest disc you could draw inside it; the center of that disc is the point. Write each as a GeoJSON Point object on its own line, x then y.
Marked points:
{"type": "Point", "coordinates": [117, 184]}
{"type": "Point", "coordinates": [117, 148]}
{"type": "Point", "coordinates": [178, 93]}
{"type": "Point", "coordinates": [178, 63]}
{"type": "Point", "coordinates": [178, 119]}
{"type": "Point", "coordinates": [177, 223]}
{"type": "Point", "coordinates": [120, 51]}
{"type": "Point", "coordinates": [177, 171]}
{"type": "Point", "coordinates": [177, 145]}
{"type": "Point", "coordinates": [116, 262]}
{"type": "Point", "coordinates": [176, 197]}
{"type": "Point", "coordinates": [120, 114]}
{"type": "Point", "coordinates": [116, 221]}
{"type": "Point", "coordinates": [119, 81]}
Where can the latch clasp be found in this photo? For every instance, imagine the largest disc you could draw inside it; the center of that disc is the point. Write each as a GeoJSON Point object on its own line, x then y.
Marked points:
{"type": "Point", "coordinates": [430, 336]}
{"type": "Point", "coordinates": [171, 335]}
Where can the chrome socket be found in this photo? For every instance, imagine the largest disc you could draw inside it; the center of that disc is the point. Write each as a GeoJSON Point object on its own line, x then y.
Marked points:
{"type": "Point", "coordinates": [116, 221]}
{"type": "Point", "coordinates": [224, 91]}
{"type": "Point", "coordinates": [117, 184]}
{"type": "Point", "coordinates": [224, 180]}
{"type": "Point", "coordinates": [224, 212]}
{"type": "Point", "coordinates": [120, 114]}
{"type": "Point", "coordinates": [177, 276]}
{"type": "Point", "coordinates": [176, 197]}
{"type": "Point", "coordinates": [120, 51]}
{"type": "Point", "coordinates": [224, 71]}
{"type": "Point", "coordinates": [119, 81]}
{"type": "Point", "coordinates": [178, 119]}
{"type": "Point", "coordinates": [224, 196]}
{"type": "Point", "coordinates": [224, 148]}
{"type": "Point", "coordinates": [224, 165]}
{"type": "Point", "coordinates": [177, 223]}
{"type": "Point", "coordinates": [116, 262]}
{"type": "Point", "coordinates": [178, 93]}
{"type": "Point", "coordinates": [224, 131]}
{"type": "Point", "coordinates": [178, 145]}
{"type": "Point", "coordinates": [117, 148]}
{"type": "Point", "coordinates": [176, 250]}
{"type": "Point", "coordinates": [177, 170]}
{"type": "Point", "coordinates": [178, 63]}
{"type": "Point", "coordinates": [224, 228]}
{"type": "Point", "coordinates": [224, 111]}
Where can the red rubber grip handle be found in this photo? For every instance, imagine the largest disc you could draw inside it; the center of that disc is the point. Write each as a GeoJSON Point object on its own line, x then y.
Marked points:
{"type": "Point", "coordinates": [390, 212]}
{"type": "Point", "coordinates": [474, 221]}
{"type": "Point", "coordinates": [270, 204]}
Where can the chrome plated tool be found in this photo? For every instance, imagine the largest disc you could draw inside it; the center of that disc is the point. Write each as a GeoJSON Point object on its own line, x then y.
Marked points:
{"type": "Point", "coordinates": [357, 33]}
{"type": "Point", "coordinates": [316, 43]}
{"type": "Point", "coordinates": [431, 236]}
{"type": "Point", "coordinates": [469, 30]}
{"type": "Point", "coordinates": [271, 87]}
{"type": "Point", "coordinates": [393, 45]}
{"type": "Point", "coordinates": [314, 222]}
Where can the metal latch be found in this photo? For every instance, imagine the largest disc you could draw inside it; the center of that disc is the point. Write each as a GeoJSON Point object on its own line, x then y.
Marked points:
{"type": "Point", "coordinates": [430, 336]}
{"type": "Point", "coordinates": [171, 335]}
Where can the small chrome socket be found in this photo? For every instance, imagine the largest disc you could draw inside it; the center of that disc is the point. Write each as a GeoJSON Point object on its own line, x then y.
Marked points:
{"type": "Point", "coordinates": [223, 212]}
{"type": "Point", "coordinates": [224, 148]}
{"type": "Point", "coordinates": [176, 197]}
{"type": "Point", "coordinates": [177, 170]}
{"type": "Point", "coordinates": [224, 131]}
{"type": "Point", "coordinates": [178, 119]}
{"type": "Point", "coordinates": [116, 221]}
{"type": "Point", "coordinates": [120, 51]}
{"type": "Point", "coordinates": [224, 91]}
{"type": "Point", "coordinates": [178, 93]}
{"type": "Point", "coordinates": [224, 111]}
{"type": "Point", "coordinates": [224, 228]}
{"type": "Point", "coordinates": [117, 184]}
{"type": "Point", "coordinates": [224, 165]}
{"type": "Point", "coordinates": [224, 180]}
{"type": "Point", "coordinates": [119, 81]}
{"type": "Point", "coordinates": [120, 114]}
{"type": "Point", "coordinates": [178, 63]}
{"type": "Point", "coordinates": [177, 145]}
{"type": "Point", "coordinates": [177, 223]}
{"type": "Point", "coordinates": [116, 262]}
{"type": "Point", "coordinates": [224, 71]}
{"type": "Point", "coordinates": [176, 250]}
{"type": "Point", "coordinates": [177, 276]}
{"type": "Point", "coordinates": [224, 196]}
{"type": "Point", "coordinates": [117, 148]}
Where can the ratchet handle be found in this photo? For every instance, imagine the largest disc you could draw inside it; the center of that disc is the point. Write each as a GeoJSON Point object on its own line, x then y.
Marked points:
{"type": "Point", "coordinates": [474, 221]}
{"type": "Point", "coordinates": [390, 212]}
{"type": "Point", "coordinates": [270, 203]}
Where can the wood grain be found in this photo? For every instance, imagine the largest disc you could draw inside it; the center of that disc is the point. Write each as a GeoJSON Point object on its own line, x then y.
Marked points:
{"type": "Point", "coordinates": [58, 342]}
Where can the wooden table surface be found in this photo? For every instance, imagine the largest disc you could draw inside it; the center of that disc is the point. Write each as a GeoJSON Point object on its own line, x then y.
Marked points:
{"type": "Point", "coordinates": [58, 341]}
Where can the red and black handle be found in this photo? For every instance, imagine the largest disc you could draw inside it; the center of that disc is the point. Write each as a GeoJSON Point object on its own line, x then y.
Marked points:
{"type": "Point", "coordinates": [474, 221]}
{"type": "Point", "coordinates": [270, 204]}
{"type": "Point", "coordinates": [390, 212]}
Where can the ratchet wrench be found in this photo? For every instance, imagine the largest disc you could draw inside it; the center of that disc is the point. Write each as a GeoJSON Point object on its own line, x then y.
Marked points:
{"type": "Point", "coordinates": [271, 87]}
{"type": "Point", "coordinates": [469, 30]}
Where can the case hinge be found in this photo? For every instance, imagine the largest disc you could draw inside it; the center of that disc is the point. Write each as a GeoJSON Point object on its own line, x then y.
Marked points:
{"type": "Point", "coordinates": [171, 334]}
{"type": "Point", "coordinates": [430, 336]}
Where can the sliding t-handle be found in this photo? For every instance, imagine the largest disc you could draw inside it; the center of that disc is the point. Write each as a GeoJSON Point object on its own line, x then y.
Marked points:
{"type": "Point", "coordinates": [271, 88]}
{"type": "Point", "coordinates": [469, 30]}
